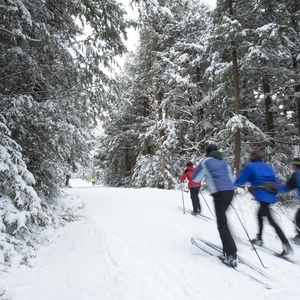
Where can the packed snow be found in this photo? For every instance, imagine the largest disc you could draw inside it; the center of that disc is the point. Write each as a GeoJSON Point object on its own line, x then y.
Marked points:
{"type": "Point", "coordinates": [135, 244]}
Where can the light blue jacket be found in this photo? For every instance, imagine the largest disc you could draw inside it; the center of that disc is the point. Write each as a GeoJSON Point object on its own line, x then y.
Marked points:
{"type": "Point", "coordinates": [218, 174]}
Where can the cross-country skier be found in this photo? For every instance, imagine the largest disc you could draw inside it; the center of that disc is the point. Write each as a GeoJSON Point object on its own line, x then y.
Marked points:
{"type": "Point", "coordinates": [294, 183]}
{"type": "Point", "coordinates": [265, 185]}
{"type": "Point", "coordinates": [219, 180]}
{"type": "Point", "coordinates": [193, 186]}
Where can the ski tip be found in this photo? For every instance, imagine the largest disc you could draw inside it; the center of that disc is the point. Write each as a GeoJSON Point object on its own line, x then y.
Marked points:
{"type": "Point", "coordinates": [193, 241]}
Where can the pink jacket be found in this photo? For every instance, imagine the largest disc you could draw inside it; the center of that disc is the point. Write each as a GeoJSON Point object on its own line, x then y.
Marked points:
{"type": "Point", "coordinates": [187, 174]}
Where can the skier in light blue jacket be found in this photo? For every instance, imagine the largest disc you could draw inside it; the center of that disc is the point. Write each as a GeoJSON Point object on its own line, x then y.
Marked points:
{"type": "Point", "coordinates": [219, 180]}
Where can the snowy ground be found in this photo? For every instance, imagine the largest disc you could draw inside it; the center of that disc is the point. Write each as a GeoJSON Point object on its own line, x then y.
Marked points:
{"type": "Point", "coordinates": [134, 244]}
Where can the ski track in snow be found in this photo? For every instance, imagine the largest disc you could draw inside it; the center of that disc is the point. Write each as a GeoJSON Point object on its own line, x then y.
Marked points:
{"type": "Point", "coordinates": [134, 244]}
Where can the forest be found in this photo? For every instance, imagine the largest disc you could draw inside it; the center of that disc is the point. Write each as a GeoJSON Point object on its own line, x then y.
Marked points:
{"type": "Point", "coordinates": [227, 75]}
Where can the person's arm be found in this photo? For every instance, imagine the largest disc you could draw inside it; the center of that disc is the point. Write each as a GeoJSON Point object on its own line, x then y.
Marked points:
{"type": "Point", "coordinates": [290, 184]}
{"type": "Point", "coordinates": [243, 176]}
{"type": "Point", "coordinates": [183, 176]}
{"type": "Point", "coordinates": [230, 173]}
{"type": "Point", "coordinates": [199, 173]}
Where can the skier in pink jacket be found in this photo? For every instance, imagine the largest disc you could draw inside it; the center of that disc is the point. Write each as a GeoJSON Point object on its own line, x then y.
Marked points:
{"type": "Point", "coordinates": [193, 186]}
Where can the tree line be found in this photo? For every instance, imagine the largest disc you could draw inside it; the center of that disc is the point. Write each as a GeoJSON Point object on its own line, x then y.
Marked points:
{"type": "Point", "coordinates": [229, 76]}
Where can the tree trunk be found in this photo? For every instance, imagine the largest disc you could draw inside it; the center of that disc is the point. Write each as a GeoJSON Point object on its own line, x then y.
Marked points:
{"type": "Point", "coordinates": [269, 115]}
{"type": "Point", "coordinates": [194, 115]}
{"type": "Point", "coordinates": [237, 149]}
{"type": "Point", "coordinates": [295, 24]}
{"type": "Point", "coordinates": [297, 89]}
{"type": "Point", "coordinates": [126, 161]}
{"type": "Point", "coordinates": [158, 116]}
{"type": "Point", "coordinates": [297, 97]}
{"type": "Point", "coordinates": [201, 133]}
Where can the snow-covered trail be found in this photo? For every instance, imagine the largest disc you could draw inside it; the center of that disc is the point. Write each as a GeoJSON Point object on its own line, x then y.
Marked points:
{"type": "Point", "coordinates": [134, 244]}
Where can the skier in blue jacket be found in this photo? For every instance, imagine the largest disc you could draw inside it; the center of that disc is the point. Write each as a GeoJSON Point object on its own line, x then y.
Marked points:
{"type": "Point", "coordinates": [219, 180]}
{"type": "Point", "coordinates": [294, 183]}
{"type": "Point", "coordinates": [265, 185]}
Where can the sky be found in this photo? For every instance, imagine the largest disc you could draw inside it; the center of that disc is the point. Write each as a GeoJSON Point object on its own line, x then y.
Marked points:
{"type": "Point", "coordinates": [135, 244]}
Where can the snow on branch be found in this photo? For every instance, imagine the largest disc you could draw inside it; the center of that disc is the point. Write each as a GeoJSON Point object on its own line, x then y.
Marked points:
{"type": "Point", "coordinates": [241, 122]}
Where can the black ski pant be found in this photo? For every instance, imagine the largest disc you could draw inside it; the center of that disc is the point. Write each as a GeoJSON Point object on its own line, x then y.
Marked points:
{"type": "Point", "coordinates": [297, 221]}
{"type": "Point", "coordinates": [264, 211]}
{"type": "Point", "coordinates": [222, 200]}
{"type": "Point", "coordinates": [194, 191]}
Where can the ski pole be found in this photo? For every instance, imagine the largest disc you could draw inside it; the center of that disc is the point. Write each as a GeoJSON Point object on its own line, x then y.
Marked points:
{"type": "Point", "coordinates": [182, 197]}
{"type": "Point", "coordinates": [248, 235]}
{"type": "Point", "coordinates": [293, 221]}
{"type": "Point", "coordinates": [206, 203]}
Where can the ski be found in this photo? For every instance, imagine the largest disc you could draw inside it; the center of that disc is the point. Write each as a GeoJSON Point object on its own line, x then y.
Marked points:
{"type": "Point", "coordinates": [242, 261]}
{"type": "Point", "coordinates": [270, 251]}
{"type": "Point", "coordinates": [200, 247]}
{"type": "Point", "coordinates": [295, 241]}
{"type": "Point", "coordinates": [199, 215]}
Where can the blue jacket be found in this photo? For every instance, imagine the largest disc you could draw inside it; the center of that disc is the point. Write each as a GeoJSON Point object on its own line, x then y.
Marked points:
{"type": "Point", "coordinates": [258, 173]}
{"type": "Point", "coordinates": [218, 174]}
{"type": "Point", "coordinates": [292, 183]}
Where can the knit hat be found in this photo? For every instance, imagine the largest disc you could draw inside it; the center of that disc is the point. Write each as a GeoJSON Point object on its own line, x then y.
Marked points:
{"type": "Point", "coordinates": [296, 161]}
{"type": "Point", "coordinates": [210, 148]}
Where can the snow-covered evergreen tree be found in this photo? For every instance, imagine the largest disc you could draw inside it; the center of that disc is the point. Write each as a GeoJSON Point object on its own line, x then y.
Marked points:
{"type": "Point", "coordinates": [181, 81]}
{"type": "Point", "coordinates": [161, 117]}
{"type": "Point", "coordinates": [261, 37]}
{"type": "Point", "coordinates": [55, 58]}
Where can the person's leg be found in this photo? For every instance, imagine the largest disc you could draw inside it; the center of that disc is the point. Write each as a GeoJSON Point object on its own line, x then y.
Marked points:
{"type": "Point", "coordinates": [194, 195]}
{"type": "Point", "coordinates": [260, 214]}
{"type": "Point", "coordinates": [222, 200]}
{"type": "Point", "coordinates": [297, 222]}
{"type": "Point", "coordinates": [278, 230]}
{"type": "Point", "coordinates": [296, 238]}
{"type": "Point", "coordinates": [197, 200]}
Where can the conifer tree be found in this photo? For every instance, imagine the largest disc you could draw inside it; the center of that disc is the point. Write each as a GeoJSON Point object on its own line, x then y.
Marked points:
{"type": "Point", "coordinates": [164, 92]}
{"type": "Point", "coordinates": [53, 86]}
{"type": "Point", "coordinates": [261, 38]}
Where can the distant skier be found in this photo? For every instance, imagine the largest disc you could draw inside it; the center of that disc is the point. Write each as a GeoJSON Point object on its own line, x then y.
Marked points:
{"type": "Point", "coordinates": [294, 183]}
{"type": "Point", "coordinates": [219, 180]}
{"type": "Point", "coordinates": [67, 182]}
{"type": "Point", "coordinates": [265, 185]}
{"type": "Point", "coordinates": [193, 186]}
{"type": "Point", "coordinates": [93, 180]}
